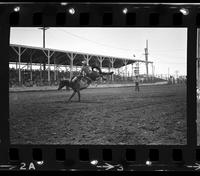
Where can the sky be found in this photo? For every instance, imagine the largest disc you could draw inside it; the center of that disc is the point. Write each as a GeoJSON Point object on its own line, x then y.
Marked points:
{"type": "Point", "coordinates": [167, 46]}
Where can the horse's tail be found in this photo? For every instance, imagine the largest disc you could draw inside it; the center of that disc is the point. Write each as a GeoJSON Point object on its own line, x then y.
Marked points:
{"type": "Point", "coordinates": [100, 72]}
{"type": "Point", "coordinates": [98, 68]}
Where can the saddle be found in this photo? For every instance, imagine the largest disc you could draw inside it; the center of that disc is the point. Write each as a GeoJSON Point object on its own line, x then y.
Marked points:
{"type": "Point", "coordinates": [89, 77]}
{"type": "Point", "coordinates": [84, 80]}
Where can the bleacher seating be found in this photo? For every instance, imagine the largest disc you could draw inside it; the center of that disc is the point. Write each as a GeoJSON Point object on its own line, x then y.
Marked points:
{"type": "Point", "coordinates": [40, 78]}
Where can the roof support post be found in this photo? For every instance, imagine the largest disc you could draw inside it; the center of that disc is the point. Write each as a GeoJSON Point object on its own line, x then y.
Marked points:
{"type": "Point", "coordinates": [40, 73]}
{"type": "Point", "coordinates": [100, 59]}
{"type": "Point", "coordinates": [66, 69]}
{"type": "Point", "coordinates": [48, 56]}
{"type": "Point", "coordinates": [138, 68]}
{"type": "Point", "coordinates": [112, 60]}
{"type": "Point", "coordinates": [132, 71]}
{"type": "Point", "coordinates": [125, 62]}
{"type": "Point", "coordinates": [118, 72]}
{"type": "Point", "coordinates": [71, 65]}
{"type": "Point", "coordinates": [71, 57]}
{"type": "Point", "coordinates": [54, 61]}
{"type": "Point", "coordinates": [19, 68]}
{"type": "Point", "coordinates": [19, 53]}
{"type": "Point", "coordinates": [87, 58]}
{"type": "Point", "coordinates": [31, 74]}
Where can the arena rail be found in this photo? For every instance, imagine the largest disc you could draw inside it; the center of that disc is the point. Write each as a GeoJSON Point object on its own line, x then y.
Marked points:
{"type": "Point", "coordinates": [53, 88]}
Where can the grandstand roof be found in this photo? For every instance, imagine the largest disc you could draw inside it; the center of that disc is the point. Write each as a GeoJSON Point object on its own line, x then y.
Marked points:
{"type": "Point", "coordinates": [60, 57]}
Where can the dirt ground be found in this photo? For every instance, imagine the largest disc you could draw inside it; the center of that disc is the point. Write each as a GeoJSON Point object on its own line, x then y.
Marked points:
{"type": "Point", "coordinates": [154, 116]}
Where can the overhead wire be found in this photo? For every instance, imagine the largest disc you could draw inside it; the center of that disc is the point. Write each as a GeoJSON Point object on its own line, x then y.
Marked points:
{"type": "Point", "coordinates": [98, 43]}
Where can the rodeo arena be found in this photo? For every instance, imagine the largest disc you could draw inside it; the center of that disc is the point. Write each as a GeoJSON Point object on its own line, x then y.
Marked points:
{"type": "Point", "coordinates": [111, 111]}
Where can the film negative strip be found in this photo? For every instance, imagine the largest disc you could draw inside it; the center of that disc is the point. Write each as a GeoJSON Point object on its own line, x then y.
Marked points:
{"type": "Point", "coordinates": [134, 68]}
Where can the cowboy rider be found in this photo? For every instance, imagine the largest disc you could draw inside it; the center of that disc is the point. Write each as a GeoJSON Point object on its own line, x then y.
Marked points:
{"type": "Point", "coordinates": [85, 71]}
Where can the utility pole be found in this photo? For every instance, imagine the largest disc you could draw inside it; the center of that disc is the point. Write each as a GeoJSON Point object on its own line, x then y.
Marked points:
{"type": "Point", "coordinates": [44, 29]}
{"type": "Point", "coordinates": [176, 72]}
{"type": "Point", "coordinates": [146, 57]}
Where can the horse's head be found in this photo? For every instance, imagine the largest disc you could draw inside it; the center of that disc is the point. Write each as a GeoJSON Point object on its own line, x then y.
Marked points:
{"type": "Point", "coordinates": [63, 83]}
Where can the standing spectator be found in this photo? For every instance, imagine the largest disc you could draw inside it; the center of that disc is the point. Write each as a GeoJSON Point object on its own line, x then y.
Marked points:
{"type": "Point", "coordinates": [137, 81]}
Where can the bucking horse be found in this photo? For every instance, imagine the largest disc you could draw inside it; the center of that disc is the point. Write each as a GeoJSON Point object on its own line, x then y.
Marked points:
{"type": "Point", "coordinates": [82, 82]}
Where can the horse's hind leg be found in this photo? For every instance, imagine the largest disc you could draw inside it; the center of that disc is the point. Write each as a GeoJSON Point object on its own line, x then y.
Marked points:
{"type": "Point", "coordinates": [71, 96]}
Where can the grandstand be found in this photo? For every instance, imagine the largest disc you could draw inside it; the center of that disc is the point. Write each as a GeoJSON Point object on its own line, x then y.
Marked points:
{"type": "Point", "coordinates": [34, 66]}
{"type": "Point", "coordinates": [44, 66]}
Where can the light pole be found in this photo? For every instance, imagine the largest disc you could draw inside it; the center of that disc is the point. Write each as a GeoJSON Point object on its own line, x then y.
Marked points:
{"type": "Point", "coordinates": [168, 73]}
{"type": "Point", "coordinates": [146, 57]}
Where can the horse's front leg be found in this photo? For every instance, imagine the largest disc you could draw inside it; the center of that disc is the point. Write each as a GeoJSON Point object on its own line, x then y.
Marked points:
{"type": "Point", "coordinates": [79, 96]}
{"type": "Point", "coordinates": [103, 78]}
{"type": "Point", "coordinates": [71, 96]}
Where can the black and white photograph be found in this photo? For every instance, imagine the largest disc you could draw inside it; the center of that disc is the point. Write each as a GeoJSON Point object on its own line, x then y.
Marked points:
{"type": "Point", "coordinates": [98, 86]}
